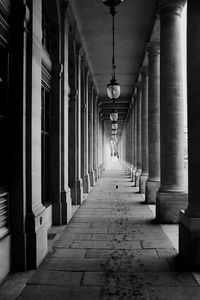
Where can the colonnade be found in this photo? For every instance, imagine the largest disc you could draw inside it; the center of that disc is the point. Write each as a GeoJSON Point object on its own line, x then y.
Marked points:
{"type": "Point", "coordinates": [60, 143]}
{"type": "Point", "coordinates": [156, 116]}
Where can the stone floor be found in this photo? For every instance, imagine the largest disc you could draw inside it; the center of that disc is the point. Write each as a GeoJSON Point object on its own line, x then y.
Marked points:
{"type": "Point", "coordinates": [112, 250]}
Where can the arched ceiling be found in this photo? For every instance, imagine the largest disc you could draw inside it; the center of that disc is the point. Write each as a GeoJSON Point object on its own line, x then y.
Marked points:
{"type": "Point", "coordinates": [134, 23]}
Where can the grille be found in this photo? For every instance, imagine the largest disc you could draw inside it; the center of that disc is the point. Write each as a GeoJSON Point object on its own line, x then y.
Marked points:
{"type": "Point", "coordinates": [3, 210]}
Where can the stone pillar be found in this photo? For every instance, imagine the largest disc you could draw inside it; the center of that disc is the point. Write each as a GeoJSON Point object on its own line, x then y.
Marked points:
{"type": "Point", "coordinates": [189, 228]}
{"type": "Point", "coordinates": [95, 137]}
{"type": "Point", "coordinates": [139, 131]}
{"type": "Point", "coordinates": [65, 190]}
{"type": "Point", "coordinates": [133, 140]}
{"type": "Point", "coordinates": [153, 181]}
{"type": "Point", "coordinates": [90, 140]}
{"type": "Point", "coordinates": [171, 196]}
{"type": "Point", "coordinates": [79, 181]}
{"type": "Point", "coordinates": [17, 130]}
{"type": "Point", "coordinates": [86, 180]}
{"type": "Point", "coordinates": [75, 181]}
{"type": "Point", "coordinates": [144, 142]}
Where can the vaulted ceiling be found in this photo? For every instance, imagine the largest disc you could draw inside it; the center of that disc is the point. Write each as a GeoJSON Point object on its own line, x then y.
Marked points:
{"type": "Point", "coordinates": [134, 24]}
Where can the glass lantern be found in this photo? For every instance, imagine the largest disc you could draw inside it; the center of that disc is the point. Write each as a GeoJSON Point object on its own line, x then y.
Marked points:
{"type": "Point", "coordinates": [114, 125]}
{"type": "Point", "coordinates": [114, 131]}
{"type": "Point", "coordinates": [114, 115]}
{"type": "Point", "coordinates": [113, 89]}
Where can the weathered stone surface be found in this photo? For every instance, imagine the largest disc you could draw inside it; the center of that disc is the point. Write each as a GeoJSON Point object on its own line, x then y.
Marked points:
{"type": "Point", "coordinates": [56, 278]}
{"type": "Point", "coordinates": [126, 257]}
{"type": "Point", "coordinates": [41, 292]}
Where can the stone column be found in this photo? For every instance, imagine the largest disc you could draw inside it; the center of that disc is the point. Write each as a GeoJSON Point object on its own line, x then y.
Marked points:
{"type": "Point", "coordinates": [189, 228]}
{"type": "Point", "coordinates": [86, 182]}
{"type": "Point", "coordinates": [139, 131]}
{"type": "Point", "coordinates": [75, 181]}
{"type": "Point", "coordinates": [79, 181]}
{"type": "Point", "coordinates": [153, 181]}
{"type": "Point", "coordinates": [95, 149]}
{"type": "Point", "coordinates": [144, 142]}
{"type": "Point", "coordinates": [171, 196]}
{"type": "Point", "coordinates": [18, 131]}
{"type": "Point", "coordinates": [65, 190]}
{"type": "Point", "coordinates": [133, 140]}
{"type": "Point", "coordinates": [90, 140]}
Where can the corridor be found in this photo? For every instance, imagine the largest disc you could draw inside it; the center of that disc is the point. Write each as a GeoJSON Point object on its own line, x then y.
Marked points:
{"type": "Point", "coordinates": [112, 249]}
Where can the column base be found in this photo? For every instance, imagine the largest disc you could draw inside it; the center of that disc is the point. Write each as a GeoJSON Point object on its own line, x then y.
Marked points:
{"type": "Point", "coordinates": [151, 190]}
{"type": "Point", "coordinates": [143, 181]}
{"type": "Point", "coordinates": [61, 211]}
{"type": "Point", "coordinates": [79, 191]}
{"type": "Point", "coordinates": [92, 178]}
{"type": "Point", "coordinates": [133, 175]}
{"type": "Point", "coordinates": [168, 206]}
{"type": "Point", "coordinates": [36, 239]}
{"type": "Point", "coordinates": [86, 184]}
{"type": "Point", "coordinates": [130, 170]}
{"type": "Point", "coordinates": [137, 178]}
{"type": "Point", "coordinates": [96, 175]}
{"type": "Point", "coordinates": [189, 241]}
{"type": "Point", "coordinates": [66, 206]}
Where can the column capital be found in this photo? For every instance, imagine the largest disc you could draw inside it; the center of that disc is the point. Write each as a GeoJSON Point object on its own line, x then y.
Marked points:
{"type": "Point", "coordinates": [153, 48]}
{"type": "Point", "coordinates": [168, 7]}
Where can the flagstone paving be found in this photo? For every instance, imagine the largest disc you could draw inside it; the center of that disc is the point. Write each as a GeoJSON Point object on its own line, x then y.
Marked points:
{"type": "Point", "coordinates": [112, 249]}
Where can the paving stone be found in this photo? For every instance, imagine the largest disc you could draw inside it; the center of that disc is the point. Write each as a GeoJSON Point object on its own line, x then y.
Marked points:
{"type": "Point", "coordinates": [166, 253]}
{"type": "Point", "coordinates": [67, 264]}
{"type": "Point", "coordinates": [106, 245]}
{"type": "Point", "coordinates": [43, 292]}
{"type": "Point", "coordinates": [155, 244]}
{"type": "Point", "coordinates": [132, 254]}
{"type": "Point", "coordinates": [69, 253]}
{"type": "Point", "coordinates": [56, 278]}
{"type": "Point", "coordinates": [176, 293]}
{"type": "Point", "coordinates": [93, 278]}
{"type": "Point", "coordinates": [78, 225]}
{"type": "Point", "coordinates": [160, 279]}
{"type": "Point", "coordinates": [87, 230]}
{"type": "Point", "coordinates": [144, 264]}
{"type": "Point", "coordinates": [102, 253]}
{"type": "Point", "coordinates": [106, 237]}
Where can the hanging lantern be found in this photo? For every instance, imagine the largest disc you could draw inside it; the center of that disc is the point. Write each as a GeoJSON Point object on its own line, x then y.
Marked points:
{"type": "Point", "coordinates": [114, 115]}
{"type": "Point", "coordinates": [114, 125]}
{"type": "Point", "coordinates": [113, 88]}
{"type": "Point", "coordinates": [114, 131]}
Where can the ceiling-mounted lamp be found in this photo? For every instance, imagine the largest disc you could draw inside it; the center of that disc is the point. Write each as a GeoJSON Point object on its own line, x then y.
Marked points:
{"type": "Point", "coordinates": [114, 125]}
{"type": "Point", "coordinates": [114, 115]}
{"type": "Point", "coordinates": [114, 131]}
{"type": "Point", "coordinates": [113, 88]}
